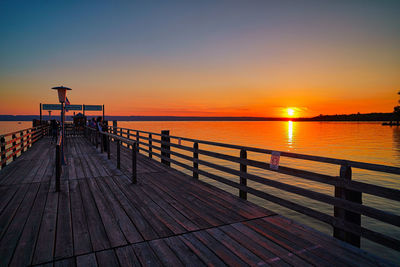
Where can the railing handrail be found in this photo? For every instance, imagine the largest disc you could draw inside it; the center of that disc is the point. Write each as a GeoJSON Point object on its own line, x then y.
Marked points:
{"type": "Point", "coordinates": [16, 132]}
{"type": "Point", "coordinates": [355, 164]}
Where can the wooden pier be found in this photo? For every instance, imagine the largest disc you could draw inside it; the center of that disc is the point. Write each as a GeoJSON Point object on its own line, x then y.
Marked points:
{"type": "Point", "coordinates": [100, 218]}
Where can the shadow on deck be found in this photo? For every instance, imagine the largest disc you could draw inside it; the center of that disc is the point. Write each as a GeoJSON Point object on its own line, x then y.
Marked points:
{"type": "Point", "coordinates": [101, 218]}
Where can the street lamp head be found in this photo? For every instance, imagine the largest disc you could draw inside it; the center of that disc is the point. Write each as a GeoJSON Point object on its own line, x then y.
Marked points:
{"type": "Point", "coordinates": [62, 93]}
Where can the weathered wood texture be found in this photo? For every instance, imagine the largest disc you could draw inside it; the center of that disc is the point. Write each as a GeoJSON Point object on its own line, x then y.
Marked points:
{"type": "Point", "coordinates": [100, 218]}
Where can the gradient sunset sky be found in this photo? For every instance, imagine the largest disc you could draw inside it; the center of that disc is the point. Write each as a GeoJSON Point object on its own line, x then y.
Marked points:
{"type": "Point", "coordinates": [202, 58]}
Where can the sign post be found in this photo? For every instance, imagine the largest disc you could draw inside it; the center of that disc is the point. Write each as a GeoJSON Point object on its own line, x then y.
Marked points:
{"type": "Point", "coordinates": [40, 113]}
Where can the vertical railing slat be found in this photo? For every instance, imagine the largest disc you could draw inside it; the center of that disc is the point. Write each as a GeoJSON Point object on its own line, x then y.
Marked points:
{"type": "Point", "coordinates": [3, 151]}
{"type": "Point", "coordinates": [195, 163]}
{"type": "Point", "coordinates": [14, 144]}
{"type": "Point", "coordinates": [150, 146]}
{"type": "Point", "coordinates": [344, 215]}
{"type": "Point", "coordinates": [243, 168]}
{"type": "Point", "coordinates": [165, 147]}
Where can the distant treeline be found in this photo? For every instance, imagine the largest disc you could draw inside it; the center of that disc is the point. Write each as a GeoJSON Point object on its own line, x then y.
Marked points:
{"type": "Point", "coordinates": [348, 117]}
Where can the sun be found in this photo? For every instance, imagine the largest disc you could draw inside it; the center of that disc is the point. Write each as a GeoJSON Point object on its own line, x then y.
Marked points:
{"type": "Point", "coordinates": [290, 112]}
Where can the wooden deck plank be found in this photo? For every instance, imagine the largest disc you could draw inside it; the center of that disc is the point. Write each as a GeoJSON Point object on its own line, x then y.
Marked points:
{"type": "Point", "coordinates": [186, 210]}
{"type": "Point", "coordinates": [128, 228]}
{"type": "Point", "coordinates": [242, 252]}
{"type": "Point", "coordinates": [114, 233]}
{"type": "Point", "coordinates": [11, 236]}
{"type": "Point", "coordinates": [127, 257]}
{"type": "Point", "coordinates": [219, 249]}
{"type": "Point", "coordinates": [157, 225]}
{"type": "Point", "coordinates": [107, 258]}
{"type": "Point", "coordinates": [175, 214]}
{"type": "Point", "coordinates": [97, 232]}
{"type": "Point", "coordinates": [336, 246]}
{"type": "Point", "coordinates": [143, 226]}
{"type": "Point", "coordinates": [7, 193]}
{"type": "Point", "coordinates": [26, 244]}
{"type": "Point", "coordinates": [183, 252]}
{"type": "Point", "coordinates": [287, 244]}
{"type": "Point", "coordinates": [81, 236]}
{"type": "Point", "coordinates": [202, 251]}
{"type": "Point", "coordinates": [88, 260]}
{"type": "Point", "coordinates": [247, 242]}
{"type": "Point", "coordinates": [315, 248]}
{"type": "Point", "coordinates": [70, 262]}
{"type": "Point", "coordinates": [282, 253]}
{"type": "Point", "coordinates": [146, 255]}
{"type": "Point", "coordinates": [164, 253]}
{"type": "Point", "coordinates": [203, 211]}
{"type": "Point", "coordinates": [64, 243]}
{"type": "Point", "coordinates": [166, 218]}
{"type": "Point", "coordinates": [47, 234]}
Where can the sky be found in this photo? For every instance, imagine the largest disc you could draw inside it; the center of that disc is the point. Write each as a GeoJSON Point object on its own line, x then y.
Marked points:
{"type": "Point", "coordinates": [202, 58]}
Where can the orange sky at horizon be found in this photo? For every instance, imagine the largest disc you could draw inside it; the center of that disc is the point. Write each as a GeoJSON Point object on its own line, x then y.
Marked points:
{"type": "Point", "coordinates": [202, 59]}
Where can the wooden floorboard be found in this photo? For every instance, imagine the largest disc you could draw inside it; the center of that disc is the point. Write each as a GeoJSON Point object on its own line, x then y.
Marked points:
{"type": "Point", "coordinates": [167, 219]}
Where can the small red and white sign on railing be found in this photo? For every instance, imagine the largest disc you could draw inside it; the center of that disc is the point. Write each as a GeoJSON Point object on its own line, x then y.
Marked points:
{"type": "Point", "coordinates": [275, 157]}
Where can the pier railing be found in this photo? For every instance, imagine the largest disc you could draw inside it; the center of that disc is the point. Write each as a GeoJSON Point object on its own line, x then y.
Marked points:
{"type": "Point", "coordinates": [105, 138]}
{"type": "Point", "coordinates": [346, 201]}
{"type": "Point", "coordinates": [14, 144]}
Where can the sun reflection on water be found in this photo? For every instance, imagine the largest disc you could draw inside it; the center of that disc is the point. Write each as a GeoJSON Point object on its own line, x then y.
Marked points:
{"type": "Point", "coordinates": [290, 133]}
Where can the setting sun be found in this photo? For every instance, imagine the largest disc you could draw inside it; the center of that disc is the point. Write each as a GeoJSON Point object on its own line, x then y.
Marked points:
{"type": "Point", "coordinates": [290, 112]}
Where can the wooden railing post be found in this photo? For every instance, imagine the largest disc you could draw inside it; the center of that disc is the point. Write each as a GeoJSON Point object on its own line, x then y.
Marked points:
{"type": "Point", "coordinates": [14, 144]}
{"type": "Point", "coordinates": [243, 168]}
{"type": "Point", "coordinates": [137, 139]}
{"type": "Point", "coordinates": [58, 167]}
{"type": "Point", "coordinates": [118, 154]}
{"type": "Point", "coordinates": [150, 144]}
{"type": "Point", "coordinates": [21, 134]}
{"type": "Point", "coordinates": [195, 163]}
{"type": "Point", "coordinates": [28, 138]}
{"type": "Point", "coordinates": [115, 125]}
{"type": "Point", "coordinates": [3, 151]}
{"type": "Point", "coordinates": [165, 147]}
{"type": "Point", "coordinates": [134, 162]}
{"type": "Point", "coordinates": [108, 147]}
{"type": "Point", "coordinates": [344, 215]}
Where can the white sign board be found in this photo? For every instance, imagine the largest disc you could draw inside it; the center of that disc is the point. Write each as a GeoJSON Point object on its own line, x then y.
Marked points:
{"type": "Point", "coordinates": [275, 157]}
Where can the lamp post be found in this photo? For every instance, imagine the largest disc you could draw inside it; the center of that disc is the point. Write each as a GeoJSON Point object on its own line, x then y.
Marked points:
{"type": "Point", "coordinates": [62, 95]}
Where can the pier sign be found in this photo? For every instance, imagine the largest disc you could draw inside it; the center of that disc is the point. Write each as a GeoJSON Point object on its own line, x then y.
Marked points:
{"type": "Point", "coordinates": [51, 106]}
{"type": "Point", "coordinates": [93, 107]}
{"type": "Point", "coordinates": [275, 157]}
{"type": "Point", "coordinates": [73, 107]}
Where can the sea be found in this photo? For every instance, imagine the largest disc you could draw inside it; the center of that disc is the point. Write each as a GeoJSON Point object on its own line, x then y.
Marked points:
{"type": "Point", "coordinates": [357, 141]}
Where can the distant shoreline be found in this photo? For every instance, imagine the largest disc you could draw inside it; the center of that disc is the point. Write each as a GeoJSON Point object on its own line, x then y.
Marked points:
{"type": "Point", "coordinates": [346, 117]}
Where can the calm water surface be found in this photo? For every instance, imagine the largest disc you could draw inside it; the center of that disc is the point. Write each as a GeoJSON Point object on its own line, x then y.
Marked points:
{"type": "Point", "coordinates": [367, 142]}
